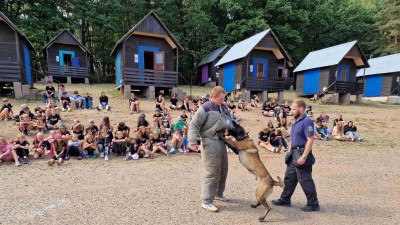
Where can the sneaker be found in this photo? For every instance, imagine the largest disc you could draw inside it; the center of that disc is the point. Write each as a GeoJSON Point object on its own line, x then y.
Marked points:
{"type": "Point", "coordinates": [108, 108]}
{"type": "Point", "coordinates": [151, 156]}
{"type": "Point", "coordinates": [79, 158]}
{"type": "Point", "coordinates": [180, 150]}
{"type": "Point", "coordinates": [102, 155]}
{"type": "Point", "coordinates": [106, 158]}
{"type": "Point", "coordinates": [17, 163]}
{"type": "Point", "coordinates": [285, 149]}
{"type": "Point", "coordinates": [146, 156]}
{"type": "Point", "coordinates": [279, 202]}
{"type": "Point", "coordinates": [25, 160]}
{"type": "Point", "coordinates": [60, 161]}
{"type": "Point", "coordinates": [86, 155]}
{"type": "Point", "coordinates": [94, 155]}
{"type": "Point", "coordinates": [310, 208]}
{"type": "Point", "coordinates": [63, 110]}
{"type": "Point", "coordinates": [67, 158]}
{"type": "Point", "coordinates": [128, 157]}
{"type": "Point", "coordinates": [172, 151]}
{"type": "Point", "coordinates": [98, 108]}
{"type": "Point", "coordinates": [278, 149]}
{"type": "Point", "coordinates": [360, 139]}
{"type": "Point", "coordinates": [209, 207]}
{"type": "Point", "coordinates": [221, 198]}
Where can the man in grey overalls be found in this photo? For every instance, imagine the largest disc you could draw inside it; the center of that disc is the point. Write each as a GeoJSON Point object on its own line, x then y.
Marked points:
{"type": "Point", "coordinates": [212, 117]}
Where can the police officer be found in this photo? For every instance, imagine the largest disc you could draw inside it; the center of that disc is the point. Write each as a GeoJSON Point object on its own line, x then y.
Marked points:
{"type": "Point", "coordinates": [299, 160]}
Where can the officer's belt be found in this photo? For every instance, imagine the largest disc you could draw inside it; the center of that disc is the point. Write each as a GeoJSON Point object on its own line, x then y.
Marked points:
{"type": "Point", "coordinates": [298, 148]}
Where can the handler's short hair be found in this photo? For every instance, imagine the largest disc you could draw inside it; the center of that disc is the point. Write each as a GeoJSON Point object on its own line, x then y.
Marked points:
{"type": "Point", "coordinates": [300, 103]}
{"type": "Point", "coordinates": [217, 91]}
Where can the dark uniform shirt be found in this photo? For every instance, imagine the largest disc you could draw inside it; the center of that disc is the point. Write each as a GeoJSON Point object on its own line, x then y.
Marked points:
{"type": "Point", "coordinates": [301, 129]}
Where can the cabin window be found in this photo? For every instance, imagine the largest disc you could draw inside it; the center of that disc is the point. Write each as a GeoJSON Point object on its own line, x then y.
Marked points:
{"type": "Point", "coordinates": [67, 60]}
{"type": "Point", "coordinates": [260, 69]}
{"type": "Point", "coordinates": [148, 60]}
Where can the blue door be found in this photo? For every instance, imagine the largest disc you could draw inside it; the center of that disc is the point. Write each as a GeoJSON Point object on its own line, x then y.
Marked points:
{"type": "Point", "coordinates": [311, 81]}
{"type": "Point", "coordinates": [229, 77]}
{"type": "Point", "coordinates": [373, 86]}
{"type": "Point", "coordinates": [28, 72]}
{"type": "Point", "coordinates": [62, 53]}
{"type": "Point", "coordinates": [260, 67]}
{"type": "Point", "coordinates": [343, 73]}
{"type": "Point", "coordinates": [118, 68]}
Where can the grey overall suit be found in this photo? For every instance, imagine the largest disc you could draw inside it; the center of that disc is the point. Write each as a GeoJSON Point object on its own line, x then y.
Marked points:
{"type": "Point", "coordinates": [208, 120]}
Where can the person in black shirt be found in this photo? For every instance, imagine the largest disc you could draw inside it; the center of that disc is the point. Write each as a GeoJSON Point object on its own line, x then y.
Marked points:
{"type": "Point", "coordinates": [287, 108]}
{"type": "Point", "coordinates": [50, 90]}
{"type": "Point", "coordinates": [263, 141]}
{"type": "Point", "coordinates": [351, 130]}
{"type": "Point", "coordinates": [53, 121]}
{"type": "Point", "coordinates": [65, 102]}
{"type": "Point", "coordinates": [174, 101]}
{"type": "Point", "coordinates": [231, 106]}
{"type": "Point", "coordinates": [268, 109]}
{"type": "Point", "coordinates": [280, 114]}
{"type": "Point", "coordinates": [103, 102]}
{"type": "Point", "coordinates": [134, 104]}
{"type": "Point", "coordinates": [124, 129]}
{"type": "Point", "coordinates": [196, 101]}
{"type": "Point", "coordinates": [25, 110]}
{"type": "Point", "coordinates": [186, 104]}
{"type": "Point", "coordinates": [184, 116]}
{"type": "Point", "coordinates": [157, 118]}
{"type": "Point", "coordinates": [142, 122]}
{"type": "Point", "coordinates": [65, 134]}
{"type": "Point", "coordinates": [6, 110]}
{"type": "Point", "coordinates": [21, 147]}
{"type": "Point", "coordinates": [157, 145]}
{"type": "Point", "coordinates": [92, 128]}
{"type": "Point", "coordinates": [160, 102]}
{"type": "Point", "coordinates": [276, 139]}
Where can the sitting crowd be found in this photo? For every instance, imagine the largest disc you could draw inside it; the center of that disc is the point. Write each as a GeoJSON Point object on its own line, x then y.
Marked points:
{"type": "Point", "coordinates": [159, 134]}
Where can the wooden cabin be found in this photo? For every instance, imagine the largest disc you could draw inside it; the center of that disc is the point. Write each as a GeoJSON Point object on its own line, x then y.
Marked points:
{"type": "Point", "coordinates": [206, 68]}
{"type": "Point", "coordinates": [331, 70]}
{"type": "Point", "coordinates": [256, 64]}
{"type": "Point", "coordinates": [67, 58]}
{"type": "Point", "coordinates": [145, 57]}
{"type": "Point", "coordinates": [15, 57]}
{"type": "Point", "coordinates": [383, 76]}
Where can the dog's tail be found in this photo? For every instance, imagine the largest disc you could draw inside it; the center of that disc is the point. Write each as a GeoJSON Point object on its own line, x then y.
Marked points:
{"type": "Point", "coordinates": [279, 182]}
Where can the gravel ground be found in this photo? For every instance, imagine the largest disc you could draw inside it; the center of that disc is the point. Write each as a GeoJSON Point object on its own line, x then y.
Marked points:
{"type": "Point", "coordinates": [357, 183]}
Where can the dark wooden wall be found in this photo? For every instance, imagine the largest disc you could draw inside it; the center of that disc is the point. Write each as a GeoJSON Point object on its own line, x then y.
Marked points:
{"type": "Point", "coordinates": [221, 75]}
{"type": "Point", "coordinates": [395, 83]}
{"type": "Point", "coordinates": [324, 76]}
{"type": "Point", "coordinates": [353, 68]}
{"type": "Point", "coordinates": [54, 49]}
{"type": "Point", "coordinates": [386, 84]}
{"type": "Point", "coordinates": [300, 83]}
{"type": "Point", "coordinates": [151, 25]}
{"type": "Point", "coordinates": [273, 62]}
{"type": "Point", "coordinates": [132, 47]}
{"type": "Point", "coordinates": [7, 43]}
{"type": "Point", "coordinates": [268, 42]}
{"type": "Point", "coordinates": [238, 72]}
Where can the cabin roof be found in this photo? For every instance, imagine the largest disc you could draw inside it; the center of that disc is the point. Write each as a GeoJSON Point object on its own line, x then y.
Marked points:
{"type": "Point", "coordinates": [128, 34]}
{"type": "Point", "coordinates": [382, 65]}
{"type": "Point", "coordinates": [327, 57]}
{"type": "Point", "coordinates": [72, 35]}
{"type": "Point", "coordinates": [211, 56]}
{"type": "Point", "coordinates": [15, 28]}
{"type": "Point", "coordinates": [243, 48]}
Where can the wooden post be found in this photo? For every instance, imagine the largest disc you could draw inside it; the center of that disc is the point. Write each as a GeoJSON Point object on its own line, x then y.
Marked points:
{"type": "Point", "coordinates": [127, 90]}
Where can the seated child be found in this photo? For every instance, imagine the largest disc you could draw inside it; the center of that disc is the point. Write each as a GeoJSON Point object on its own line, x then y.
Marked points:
{"type": "Point", "coordinates": [78, 128]}
{"type": "Point", "coordinates": [157, 118]}
{"type": "Point", "coordinates": [119, 144]}
{"type": "Point", "coordinates": [87, 101]}
{"type": "Point", "coordinates": [134, 104]}
{"type": "Point", "coordinates": [6, 112]}
{"type": "Point", "coordinates": [142, 142]}
{"type": "Point", "coordinates": [167, 128]}
{"type": "Point", "coordinates": [7, 154]}
{"type": "Point", "coordinates": [263, 141]}
{"type": "Point", "coordinates": [242, 104]}
{"type": "Point", "coordinates": [180, 124]}
{"type": "Point", "coordinates": [65, 102]}
{"type": "Point", "coordinates": [39, 146]}
{"type": "Point", "coordinates": [125, 129]}
{"type": "Point", "coordinates": [89, 146]}
{"type": "Point", "coordinates": [184, 116]}
{"type": "Point", "coordinates": [321, 132]}
{"type": "Point", "coordinates": [196, 101]}
{"type": "Point", "coordinates": [76, 100]}
{"type": "Point", "coordinates": [74, 147]}
{"type": "Point", "coordinates": [174, 102]}
{"type": "Point", "coordinates": [21, 147]}
{"type": "Point", "coordinates": [157, 145]}
{"type": "Point", "coordinates": [163, 136]}
{"type": "Point", "coordinates": [92, 128]}
{"type": "Point", "coordinates": [49, 140]}
{"type": "Point", "coordinates": [103, 144]}
{"type": "Point", "coordinates": [25, 124]}
{"type": "Point", "coordinates": [276, 139]}
{"type": "Point", "coordinates": [53, 121]}
{"type": "Point", "coordinates": [103, 102]}
{"type": "Point", "coordinates": [39, 124]}
{"type": "Point", "coordinates": [177, 142]}
{"type": "Point", "coordinates": [254, 101]}
{"type": "Point", "coordinates": [59, 150]}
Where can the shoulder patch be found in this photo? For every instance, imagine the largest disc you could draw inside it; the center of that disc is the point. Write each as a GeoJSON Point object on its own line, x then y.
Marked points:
{"type": "Point", "coordinates": [310, 128]}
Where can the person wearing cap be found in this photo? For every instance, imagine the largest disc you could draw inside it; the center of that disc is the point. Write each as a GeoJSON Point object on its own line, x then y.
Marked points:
{"type": "Point", "coordinates": [180, 124]}
{"type": "Point", "coordinates": [6, 112]}
{"type": "Point", "coordinates": [299, 160]}
{"type": "Point", "coordinates": [7, 153]}
{"type": "Point", "coordinates": [212, 117]}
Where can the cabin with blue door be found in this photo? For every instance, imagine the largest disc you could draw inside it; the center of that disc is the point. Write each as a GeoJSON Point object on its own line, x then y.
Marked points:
{"type": "Point", "coordinates": [146, 58]}
{"type": "Point", "coordinates": [332, 72]}
{"type": "Point", "coordinates": [382, 78]}
{"type": "Point", "coordinates": [15, 57]}
{"type": "Point", "coordinates": [67, 58]}
{"type": "Point", "coordinates": [258, 64]}
{"type": "Point", "coordinates": [206, 68]}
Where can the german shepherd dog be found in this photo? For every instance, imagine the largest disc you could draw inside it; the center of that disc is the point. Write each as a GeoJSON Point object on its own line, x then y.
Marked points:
{"type": "Point", "coordinates": [247, 151]}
